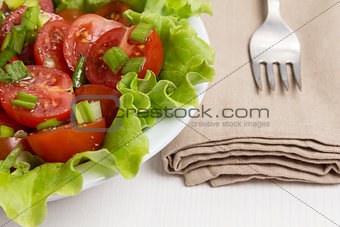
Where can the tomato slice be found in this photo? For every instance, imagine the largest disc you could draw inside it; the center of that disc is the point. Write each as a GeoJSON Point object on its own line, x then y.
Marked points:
{"type": "Point", "coordinates": [83, 32]}
{"type": "Point", "coordinates": [48, 48]}
{"type": "Point", "coordinates": [109, 106]}
{"type": "Point", "coordinates": [6, 120]}
{"type": "Point", "coordinates": [54, 89]}
{"type": "Point", "coordinates": [8, 144]}
{"type": "Point", "coordinates": [71, 15]}
{"type": "Point", "coordinates": [61, 144]}
{"type": "Point", "coordinates": [98, 72]}
{"type": "Point", "coordinates": [15, 19]}
{"type": "Point", "coordinates": [114, 11]}
{"type": "Point", "coordinates": [47, 6]}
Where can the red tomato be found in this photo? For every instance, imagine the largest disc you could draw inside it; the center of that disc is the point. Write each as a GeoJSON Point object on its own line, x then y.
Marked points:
{"type": "Point", "coordinates": [47, 6]}
{"type": "Point", "coordinates": [83, 32]}
{"type": "Point", "coordinates": [6, 120]}
{"type": "Point", "coordinates": [4, 8]}
{"type": "Point", "coordinates": [109, 106]}
{"type": "Point", "coordinates": [8, 144]}
{"type": "Point", "coordinates": [27, 55]}
{"type": "Point", "coordinates": [15, 19]}
{"type": "Point", "coordinates": [114, 11]}
{"type": "Point", "coordinates": [98, 72]}
{"type": "Point", "coordinates": [48, 48]}
{"type": "Point", "coordinates": [71, 14]}
{"type": "Point", "coordinates": [54, 89]}
{"type": "Point", "coordinates": [61, 144]}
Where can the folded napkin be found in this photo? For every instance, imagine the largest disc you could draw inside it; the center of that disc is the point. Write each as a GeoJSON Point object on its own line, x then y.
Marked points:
{"type": "Point", "coordinates": [296, 136]}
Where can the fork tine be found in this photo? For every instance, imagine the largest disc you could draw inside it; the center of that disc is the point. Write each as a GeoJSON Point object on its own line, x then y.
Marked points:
{"type": "Point", "coordinates": [283, 73]}
{"type": "Point", "coordinates": [270, 74]}
{"type": "Point", "coordinates": [297, 74]}
{"type": "Point", "coordinates": [257, 73]}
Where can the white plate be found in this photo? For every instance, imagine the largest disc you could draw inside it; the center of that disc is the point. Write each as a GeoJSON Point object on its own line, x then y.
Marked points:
{"type": "Point", "coordinates": [159, 136]}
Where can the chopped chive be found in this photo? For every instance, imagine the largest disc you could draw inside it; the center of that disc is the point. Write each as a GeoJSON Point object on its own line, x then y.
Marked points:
{"type": "Point", "coordinates": [18, 39]}
{"type": "Point", "coordinates": [25, 104]}
{"type": "Point", "coordinates": [42, 19]}
{"type": "Point", "coordinates": [7, 41]}
{"type": "Point", "coordinates": [31, 37]}
{"type": "Point", "coordinates": [96, 109]}
{"type": "Point", "coordinates": [14, 4]}
{"type": "Point", "coordinates": [6, 56]}
{"type": "Point", "coordinates": [141, 32]}
{"type": "Point", "coordinates": [115, 58]}
{"type": "Point", "coordinates": [86, 112]}
{"type": "Point", "coordinates": [30, 17]}
{"type": "Point", "coordinates": [79, 77]}
{"type": "Point", "coordinates": [134, 65]}
{"type": "Point", "coordinates": [2, 18]}
{"type": "Point", "coordinates": [17, 70]}
{"type": "Point", "coordinates": [4, 77]}
{"type": "Point", "coordinates": [31, 3]}
{"type": "Point", "coordinates": [27, 97]}
{"type": "Point", "coordinates": [50, 124]}
{"type": "Point", "coordinates": [6, 131]}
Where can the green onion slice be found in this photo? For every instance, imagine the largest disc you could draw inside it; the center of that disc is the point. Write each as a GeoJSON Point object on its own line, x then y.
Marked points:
{"type": "Point", "coordinates": [115, 58]}
{"type": "Point", "coordinates": [6, 56]}
{"type": "Point", "coordinates": [7, 41]}
{"type": "Point", "coordinates": [27, 97]}
{"type": "Point", "coordinates": [6, 131]}
{"type": "Point", "coordinates": [86, 112]}
{"type": "Point", "coordinates": [50, 124]}
{"type": "Point", "coordinates": [25, 104]}
{"type": "Point", "coordinates": [79, 78]}
{"type": "Point", "coordinates": [17, 70]}
{"type": "Point", "coordinates": [30, 18]}
{"type": "Point", "coordinates": [18, 38]}
{"type": "Point", "coordinates": [42, 19]}
{"type": "Point", "coordinates": [4, 77]}
{"type": "Point", "coordinates": [134, 65]}
{"type": "Point", "coordinates": [141, 32]}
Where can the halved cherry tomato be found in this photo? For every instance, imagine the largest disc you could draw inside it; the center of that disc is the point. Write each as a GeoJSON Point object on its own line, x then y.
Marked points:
{"type": "Point", "coordinates": [71, 15]}
{"type": "Point", "coordinates": [4, 8]}
{"type": "Point", "coordinates": [6, 120]}
{"type": "Point", "coordinates": [61, 144]}
{"type": "Point", "coordinates": [83, 32]}
{"type": "Point", "coordinates": [48, 48]}
{"type": "Point", "coordinates": [98, 72]}
{"type": "Point", "coordinates": [47, 6]}
{"type": "Point", "coordinates": [114, 11]}
{"type": "Point", "coordinates": [15, 19]}
{"type": "Point", "coordinates": [109, 106]}
{"type": "Point", "coordinates": [27, 55]}
{"type": "Point", "coordinates": [8, 144]}
{"type": "Point", "coordinates": [54, 89]}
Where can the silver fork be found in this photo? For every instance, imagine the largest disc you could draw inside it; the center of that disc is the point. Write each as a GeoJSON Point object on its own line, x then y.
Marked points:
{"type": "Point", "coordinates": [275, 43]}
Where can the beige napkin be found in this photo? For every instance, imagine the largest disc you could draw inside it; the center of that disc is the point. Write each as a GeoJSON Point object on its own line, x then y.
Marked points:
{"type": "Point", "coordinates": [300, 140]}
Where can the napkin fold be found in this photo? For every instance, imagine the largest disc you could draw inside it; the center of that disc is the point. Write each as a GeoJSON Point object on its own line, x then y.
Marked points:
{"type": "Point", "coordinates": [250, 134]}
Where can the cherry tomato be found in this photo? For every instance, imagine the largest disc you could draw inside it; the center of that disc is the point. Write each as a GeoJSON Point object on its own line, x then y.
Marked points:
{"type": "Point", "coordinates": [27, 55]}
{"type": "Point", "coordinates": [71, 15]}
{"type": "Point", "coordinates": [48, 48]}
{"type": "Point", "coordinates": [8, 144]}
{"type": "Point", "coordinates": [109, 106]}
{"type": "Point", "coordinates": [62, 143]}
{"type": "Point", "coordinates": [47, 6]}
{"type": "Point", "coordinates": [53, 88]}
{"type": "Point", "coordinates": [83, 32]}
{"type": "Point", "coordinates": [114, 11]}
{"type": "Point", "coordinates": [6, 120]}
{"type": "Point", "coordinates": [98, 72]}
{"type": "Point", "coordinates": [15, 19]}
{"type": "Point", "coordinates": [4, 8]}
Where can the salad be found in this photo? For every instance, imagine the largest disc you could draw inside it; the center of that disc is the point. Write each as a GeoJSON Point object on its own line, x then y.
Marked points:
{"type": "Point", "coordinates": [59, 61]}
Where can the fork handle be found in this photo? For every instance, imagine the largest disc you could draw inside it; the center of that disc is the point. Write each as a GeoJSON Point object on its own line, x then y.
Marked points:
{"type": "Point", "coordinates": [273, 8]}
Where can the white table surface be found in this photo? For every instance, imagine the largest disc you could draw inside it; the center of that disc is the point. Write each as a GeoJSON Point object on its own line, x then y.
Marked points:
{"type": "Point", "coordinates": [155, 199]}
